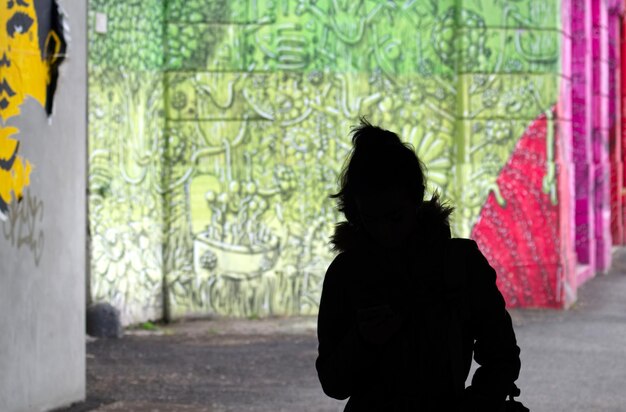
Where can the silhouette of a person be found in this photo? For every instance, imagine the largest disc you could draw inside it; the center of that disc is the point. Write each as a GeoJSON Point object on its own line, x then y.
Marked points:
{"type": "Point", "coordinates": [395, 332]}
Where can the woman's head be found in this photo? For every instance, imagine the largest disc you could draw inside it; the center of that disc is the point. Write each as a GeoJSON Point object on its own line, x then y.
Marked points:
{"type": "Point", "coordinates": [382, 184]}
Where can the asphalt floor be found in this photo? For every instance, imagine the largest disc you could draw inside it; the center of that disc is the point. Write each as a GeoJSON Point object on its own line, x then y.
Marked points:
{"type": "Point", "coordinates": [572, 360]}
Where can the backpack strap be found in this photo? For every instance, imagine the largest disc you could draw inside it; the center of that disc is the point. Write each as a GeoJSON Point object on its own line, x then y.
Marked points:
{"type": "Point", "coordinates": [455, 277]}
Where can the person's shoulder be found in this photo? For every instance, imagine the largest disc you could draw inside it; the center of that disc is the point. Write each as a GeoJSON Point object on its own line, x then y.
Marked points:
{"type": "Point", "coordinates": [456, 261]}
{"type": "Point", "coordinates": [339, 272]}
{"type": "Point", "coordinates": [342, 261]}
{"type": "Point", "coordinates": [473, 258]}
{"type": "Point", "coordinates": [463, 245]}
{"type": "Point", "coordinates": [340, 264]}
{"type": "Point", "coordinates": [463, 242]}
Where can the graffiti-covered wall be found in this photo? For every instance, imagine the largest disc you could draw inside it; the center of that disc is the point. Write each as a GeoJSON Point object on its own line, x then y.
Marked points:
{"type": "Point", "coordinates": [257, 125]}
{"type": "Point", "coordinates": [42, 203]}
{"type": "Point", "coordinates": [126, 126]}
{"type": "Point", "coordinates": [32, 44]}
{"type": "Point", "coordinates": [260, 119]}
{"type": "Point", "coordinates": [218, 128]}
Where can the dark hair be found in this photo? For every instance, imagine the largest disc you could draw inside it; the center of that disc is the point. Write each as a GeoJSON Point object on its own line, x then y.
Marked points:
{"type": "Point", "coordinates": [379, 160]}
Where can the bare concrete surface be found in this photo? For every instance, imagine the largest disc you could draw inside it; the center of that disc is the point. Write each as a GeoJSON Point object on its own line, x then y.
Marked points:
{"type": "Point", "coordinates": [216, 365]}
{"type": "Point", "coordinates": [575, 360]}
{"type": "Point", "coordinates": [572, 361]}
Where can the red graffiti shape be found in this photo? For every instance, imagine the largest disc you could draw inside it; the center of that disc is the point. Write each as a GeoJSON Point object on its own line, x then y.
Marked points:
{"type": "Point", "coordinates": [521, 239]}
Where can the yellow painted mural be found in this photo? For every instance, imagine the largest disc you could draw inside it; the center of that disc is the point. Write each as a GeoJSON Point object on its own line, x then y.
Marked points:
{"type": "Point", "coordinates": [32, 45]}
{"type": "Point", "coordinates": [14, 171]}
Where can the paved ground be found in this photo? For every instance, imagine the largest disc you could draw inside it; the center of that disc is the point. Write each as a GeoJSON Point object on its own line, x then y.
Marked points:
{"type": "Point", "coordinates": [572, 361]}
{"type": "Point", "coordinates": [208, 366]}
{"type": "Point", "coordinates": [575, 360]}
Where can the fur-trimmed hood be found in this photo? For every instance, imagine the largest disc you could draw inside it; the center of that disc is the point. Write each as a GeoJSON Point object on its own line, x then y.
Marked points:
{"type": "Point", "coordinates": [433, 224]}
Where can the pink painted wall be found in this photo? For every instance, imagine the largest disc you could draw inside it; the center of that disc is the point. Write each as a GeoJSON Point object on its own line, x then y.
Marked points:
{"type": "Point", "coordinates": [581, 26]}
{"type": "Point", "coordinates": [566, 277]}
{"type": "Point", "coordinates": [622, 121]}
{"type": "Point", "coordinates": [600, 134]}
{"type": "Point", "coordinates": [559, 246]}
{"type": "Point", "coordinates": [596, 149]}
{"type": "Point", "coordinates": [615, 143]}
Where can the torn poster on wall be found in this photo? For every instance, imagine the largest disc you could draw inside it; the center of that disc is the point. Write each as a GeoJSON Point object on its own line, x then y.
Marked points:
{"type": "Point", "coordinates": [33, 43]}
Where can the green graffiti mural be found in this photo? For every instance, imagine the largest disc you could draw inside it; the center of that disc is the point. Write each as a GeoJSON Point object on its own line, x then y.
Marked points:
{"type": "Point", "coordinates": [218, 128]}
{"type": "Point", "coordinates": [126, 125]}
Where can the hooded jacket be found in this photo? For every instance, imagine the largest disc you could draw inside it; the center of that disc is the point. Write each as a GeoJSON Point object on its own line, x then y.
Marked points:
{"type": "Point", "coordinates": [395, 335]}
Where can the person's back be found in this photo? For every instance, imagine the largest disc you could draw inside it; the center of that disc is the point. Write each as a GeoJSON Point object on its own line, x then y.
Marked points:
{"type": "Point", "coordinates": [395, 333]}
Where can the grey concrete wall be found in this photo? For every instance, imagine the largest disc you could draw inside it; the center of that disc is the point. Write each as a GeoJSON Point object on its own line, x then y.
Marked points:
{"type": "Point", "coordinates": [42, 248]}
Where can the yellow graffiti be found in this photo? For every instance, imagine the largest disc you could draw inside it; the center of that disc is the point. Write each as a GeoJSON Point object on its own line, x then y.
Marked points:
{"type": "Point", "coordinates": [14, 171]}
{"type": "Point", "coordinates": [24, 71]}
